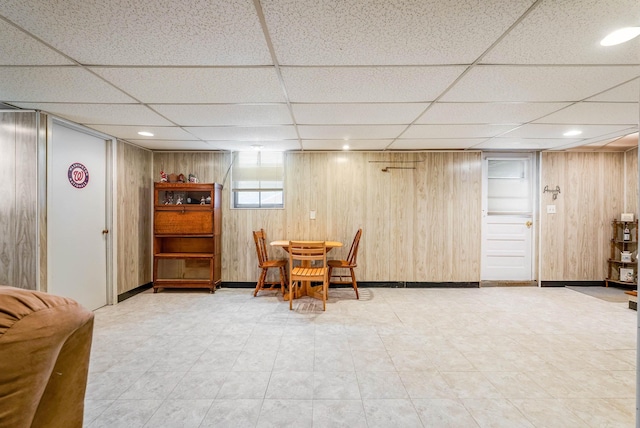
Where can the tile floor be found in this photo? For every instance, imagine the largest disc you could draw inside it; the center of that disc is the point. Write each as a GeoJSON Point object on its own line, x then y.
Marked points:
{"type": "Point", "coordinates": [488, 357]}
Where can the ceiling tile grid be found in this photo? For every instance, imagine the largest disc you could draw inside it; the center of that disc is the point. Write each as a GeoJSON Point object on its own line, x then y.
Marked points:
{"type": "Point", "coordinates": [308, 74]}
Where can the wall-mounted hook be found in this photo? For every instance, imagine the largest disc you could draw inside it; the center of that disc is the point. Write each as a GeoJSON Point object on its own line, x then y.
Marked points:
{"type": "Point", "coordinates": [553, 191]}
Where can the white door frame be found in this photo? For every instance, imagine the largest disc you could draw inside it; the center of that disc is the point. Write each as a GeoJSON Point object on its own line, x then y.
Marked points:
{"type": "Point", "coordinates": [111, 198]}
{"type": "Point", "coordinates": [534, 168]}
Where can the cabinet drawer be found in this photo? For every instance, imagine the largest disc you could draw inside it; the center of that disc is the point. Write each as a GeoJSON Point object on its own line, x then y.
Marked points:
{"type": "Point", "coordinates": [183, 223]}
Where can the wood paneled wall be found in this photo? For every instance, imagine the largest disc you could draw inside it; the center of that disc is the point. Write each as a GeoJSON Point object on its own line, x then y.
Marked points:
{"type": "Point", "coordinates": [631, 181]}
{"type": "Point", "coordinates": [574, 243]}
{"type": "Point", "coordinates": [19, 199]}
{"type": "Point", "coordinates": [418, 225]}
{"type": "Point", "coordinates": [134, 190]}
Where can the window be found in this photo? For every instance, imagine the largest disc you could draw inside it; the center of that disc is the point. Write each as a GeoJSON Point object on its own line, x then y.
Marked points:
{"type": "Point", "coordinates": [257, 180]}
{"type": "Point", "coordinates": [509, 187]}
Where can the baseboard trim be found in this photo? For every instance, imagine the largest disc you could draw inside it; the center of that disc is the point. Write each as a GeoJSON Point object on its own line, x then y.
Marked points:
{"type": "Point", "coordinates": [377, 284]}
{"type": "Point", "coordinates": [137, 290]}
{"type": "Point", "coordinates": [572, 283]}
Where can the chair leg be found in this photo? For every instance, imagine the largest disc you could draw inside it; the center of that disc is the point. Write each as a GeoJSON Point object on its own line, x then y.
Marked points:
{"type": "Point", "coordinates": [355, 284]}
{"type": "Point", "coordinates": [283, 278]}
{"type": "Point", "coordinates": [324, 295]}
{"type": "Point", "coordinates": [290, 295]}
{"type": "Point", "coordinates": [260, 284]}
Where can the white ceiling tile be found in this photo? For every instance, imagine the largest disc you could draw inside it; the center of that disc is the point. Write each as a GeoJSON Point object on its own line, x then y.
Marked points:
{"type": "Point", "coordinates": [339, 144]}
{"type": "Point", "coordinates": [351, 132]}
{"type": "Point", "coordinates": [569, 32]}
{"type": "Point", "coordinates": [486, 113]}
{"type": "Point", "coordinates": [455, 131]}
{"type": "Point", "coordinates": [348, 32]}
{"type": "Point", "coordinates": [172, 144]}
{"type": "Point", "coordinates": [434, 143]}
{"type": "Point", "coordinates": [596, 113]}
{"type": "Point", "coordinates": [537, 83]}
{"type": "Point", "coordinates": [225, 114]}
{"type": "Point", "coordinates": [523, 143]}
{"type": "Point", "coordinates": [557, 131]}
{"type": "Point", "coordinates": [197, 85]}
{"type": "Point", "coordinates": [131, 132]}
{"type": "Point", "coordinates": [628, 92]}
{"type": "Point", "coordinates": [103, 114]}
{"type": "Point", "coordinates": [56, 84]}
{"type": "Point", "coordinates": [146, 32]}
{"type": "Point", "coordinates": [18, 48]}
{"type": "Point", "coordinates": [368, 84]}
{"type": "Point", "coordinates": [244, 133]}
{"type": "Point", "coordinates": [245, 146]}
{"type": "Point", "coordinates": [354, 114]}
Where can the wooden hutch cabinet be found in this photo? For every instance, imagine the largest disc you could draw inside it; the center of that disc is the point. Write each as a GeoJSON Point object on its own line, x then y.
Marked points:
{"type": "Point", "coordinates": [187, 236]}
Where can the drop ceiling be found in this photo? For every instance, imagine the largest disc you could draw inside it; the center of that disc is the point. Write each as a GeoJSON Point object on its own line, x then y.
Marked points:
{"type": "Point", "coordinates": [318, 74]}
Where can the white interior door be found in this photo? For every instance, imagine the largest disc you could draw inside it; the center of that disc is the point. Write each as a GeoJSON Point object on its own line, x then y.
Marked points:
{"type": "Point", "coordinates": [76, 244]}
{"type": "Point", "coordinates": [507, 217]}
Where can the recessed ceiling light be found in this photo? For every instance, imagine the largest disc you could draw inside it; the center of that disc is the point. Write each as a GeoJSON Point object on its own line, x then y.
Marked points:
{"type": "Point", "coordinates": [345, 147]}
{"type": "Point", "coordinates": [572, 133]}
{"type": "Point", "coordinates": [620, 36]}
{"type": "Point", "coordinates": [145, 133]}
{"type": "Point", "coordinates": [257, 147]}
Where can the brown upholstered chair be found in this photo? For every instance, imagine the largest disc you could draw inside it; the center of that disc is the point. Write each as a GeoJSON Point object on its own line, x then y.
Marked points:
{"type": "Point", "coordinates": [351, 263]}
{"type": "Point", "coordinates": [260, 239]}
{"type": "Point", "coordinates": [45, 342]}
{"type": "Point", "coordinates": [307, 252]}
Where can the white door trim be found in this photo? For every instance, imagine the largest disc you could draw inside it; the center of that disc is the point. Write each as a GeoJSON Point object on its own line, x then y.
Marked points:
{"type": "Point", "coordinates": [110, 203]}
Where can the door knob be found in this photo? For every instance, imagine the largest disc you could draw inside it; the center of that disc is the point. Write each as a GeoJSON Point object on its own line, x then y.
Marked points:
{"type": "Point", "coordinates": [529, 224]}
{"type": "Point", "coordinates": [105, 231]}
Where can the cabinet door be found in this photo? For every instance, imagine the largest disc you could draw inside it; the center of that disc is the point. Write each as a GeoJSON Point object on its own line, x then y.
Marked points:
{"type": "Point", "coordinates": [183, 223]}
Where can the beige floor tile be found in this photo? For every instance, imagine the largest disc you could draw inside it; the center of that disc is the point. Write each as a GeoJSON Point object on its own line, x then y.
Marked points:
{"type": "Point", "coordinates": [493, 356]}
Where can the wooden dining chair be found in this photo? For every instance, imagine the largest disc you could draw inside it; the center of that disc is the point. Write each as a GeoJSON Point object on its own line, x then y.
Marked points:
{"type": "Point", "coordinates": [305, 253]}
{"type": "Point", "coordinates": [260, 238]}
{"type": "Point", "coordinates": [351, 263]}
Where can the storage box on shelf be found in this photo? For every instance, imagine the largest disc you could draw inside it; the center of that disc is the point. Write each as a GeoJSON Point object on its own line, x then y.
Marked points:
{"type": "Point", "coordinates": [622, 266]}
{"type": "Point", "coordinates": [186, 235]}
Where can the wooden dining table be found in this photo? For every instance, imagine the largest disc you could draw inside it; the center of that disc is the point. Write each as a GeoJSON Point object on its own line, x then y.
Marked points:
{"type": "Point", "coordinates": [305, 289]}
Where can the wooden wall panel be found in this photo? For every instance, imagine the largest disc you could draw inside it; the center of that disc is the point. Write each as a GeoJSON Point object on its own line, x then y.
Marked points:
{"type": "Point", "coordinates": [419, 225]}
{"type": "Point", "coordinates": [574, 241]}
{"type": "Point", "coordinates": [631, 181]}
{"type": "Point", "coordinates": [26, 205]}
{"type": "Point", "coordinates": [19, 199]}
{"type": "Point", "coordinates": [135, 191]}
{"type": "Point", "coordinates": [7, 196]}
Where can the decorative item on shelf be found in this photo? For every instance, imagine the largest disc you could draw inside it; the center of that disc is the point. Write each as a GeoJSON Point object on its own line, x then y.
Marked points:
{"type": "Point", "coordinates": [626, 234]}
{"type": "Point", "coordinates": [193, 178]}
{"type": "Point", "coordinates": [202, 201]}
{"type": "Point", "coordinates": [626, 274]}
{"type": "Point", "coordinates": [168, 198]}
{"type": "Point", "coordinates": [179, 201]}
{"type": "Point", "coordinates": [626, 217]}
{"type": "Point", "coordinates": [173, 178]}
{"type": "Point", "coordinates": [181, 178]}
{"type": "Point", "coordinates": [163, 177]}
{"type": "Point", "coordinates": [208, 200]}
{"type": "Point", "coordinates": [625, 256]}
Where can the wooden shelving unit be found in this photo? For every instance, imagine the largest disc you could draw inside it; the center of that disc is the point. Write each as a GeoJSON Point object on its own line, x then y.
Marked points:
{"type": "Point", "coordinates": [187, 236]}
{"type": "Point", "coordinates": [619, 244]}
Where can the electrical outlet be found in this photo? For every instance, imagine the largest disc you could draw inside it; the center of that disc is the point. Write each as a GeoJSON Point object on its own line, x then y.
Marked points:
{"type": "Point", "coordinates": [312, 215]}
{"type": "Point", "coordinates": [551, 209]}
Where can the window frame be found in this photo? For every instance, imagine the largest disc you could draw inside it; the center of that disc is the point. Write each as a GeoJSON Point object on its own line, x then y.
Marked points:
{"type": "Point", "coordinates": [237, 191]}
